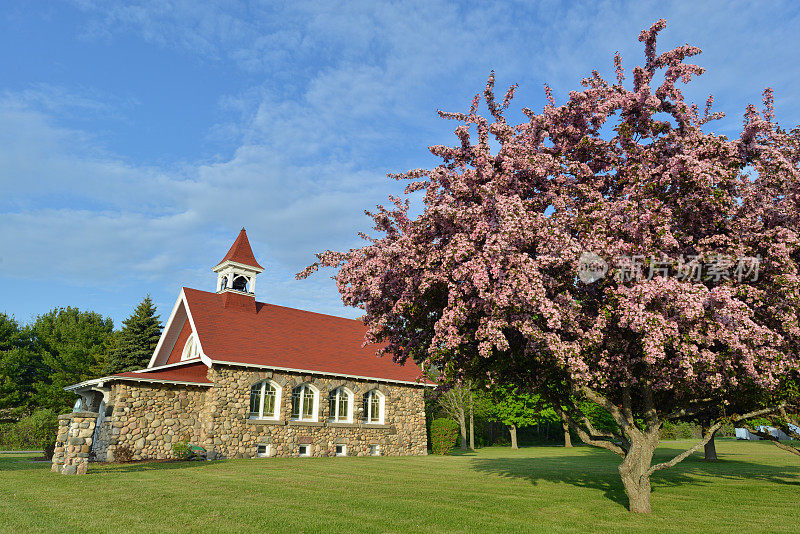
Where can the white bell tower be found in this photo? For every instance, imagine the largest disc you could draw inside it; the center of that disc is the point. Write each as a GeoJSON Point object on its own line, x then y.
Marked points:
{"type": "Point", "coordinates": [238, 269]}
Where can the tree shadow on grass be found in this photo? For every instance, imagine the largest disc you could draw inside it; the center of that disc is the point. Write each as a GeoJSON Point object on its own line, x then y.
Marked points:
{"type": "Point", "coordinates": [460, 452]}
{"type": "Point", "coordinates": [29, 463]}
{"type": "Point", "coordinates": [23, 463]}
{"type": "Point", "coordinates": [140, 467]}
{"type": "Point", "coordinates": [597, 469]}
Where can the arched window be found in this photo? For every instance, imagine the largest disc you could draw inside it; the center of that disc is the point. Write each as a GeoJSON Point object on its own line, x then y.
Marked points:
{"type": "Point", "coordinates": [192, 349]}
{"type": "Point", "coordinates": [304, 403]}
{"type": "Point", "coordinates": [373, 407]}
{"type": "Point", "coordinates": [341, 405]}
{"type": "Point", "coordinates": [265, 400]}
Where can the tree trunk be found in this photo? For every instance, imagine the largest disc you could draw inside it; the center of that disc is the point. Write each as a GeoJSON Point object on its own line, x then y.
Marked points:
{"type": "Point", "coordinates": [567, 438]}
{"type": "Point", "coordinates": [711, 447]}
{"type": "Point", "coordinates": [463, 425]}
{"type": "Point", "coordinates": [513, 430]}
{"type": "Point", "coordinates": [633, 471]}
{"type": "Point", "coordinates": [471, 423]}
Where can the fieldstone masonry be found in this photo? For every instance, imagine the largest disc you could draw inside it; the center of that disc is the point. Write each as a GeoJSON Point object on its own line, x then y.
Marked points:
{"type": "Point", "coordinates": [229, 433]}
{"type": "Point", "coordinates": [74, 442]}
{"type": "Point", "coordinates": [147, 418]}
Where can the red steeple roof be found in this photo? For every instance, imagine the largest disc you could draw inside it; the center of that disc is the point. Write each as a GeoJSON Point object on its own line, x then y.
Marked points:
{"type": "Point", "coordinates": [240, 252]}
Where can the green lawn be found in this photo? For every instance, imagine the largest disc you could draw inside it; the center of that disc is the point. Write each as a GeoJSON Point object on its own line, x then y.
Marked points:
{"type": "Point", "coordinates": [753, 486]}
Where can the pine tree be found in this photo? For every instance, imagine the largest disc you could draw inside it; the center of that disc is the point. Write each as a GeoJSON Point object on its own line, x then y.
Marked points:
{"type": "Point", "coordinates": [137, 340]}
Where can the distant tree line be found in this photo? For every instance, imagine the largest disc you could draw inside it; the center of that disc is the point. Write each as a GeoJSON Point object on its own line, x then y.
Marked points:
{"type": "Point", "coordinates": [65, 346]}
{"type": "Point", "coordinates": [507, 415]}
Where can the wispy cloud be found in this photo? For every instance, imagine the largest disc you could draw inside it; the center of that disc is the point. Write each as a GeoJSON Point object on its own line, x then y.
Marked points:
{"type": "Point", "coordinates": [337, 94]}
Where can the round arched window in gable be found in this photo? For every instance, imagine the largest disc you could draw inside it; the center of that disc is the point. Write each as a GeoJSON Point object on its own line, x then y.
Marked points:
{"type": "Point", "coordinates": [191, 350]}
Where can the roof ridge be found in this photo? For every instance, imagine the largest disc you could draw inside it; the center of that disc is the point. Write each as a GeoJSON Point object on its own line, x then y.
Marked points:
{"type": "Point", "coordinates": [358, 321]}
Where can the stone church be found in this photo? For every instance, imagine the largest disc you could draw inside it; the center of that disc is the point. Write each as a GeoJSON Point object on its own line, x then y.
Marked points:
{"type": "Point", "coordinates": [246, 379]}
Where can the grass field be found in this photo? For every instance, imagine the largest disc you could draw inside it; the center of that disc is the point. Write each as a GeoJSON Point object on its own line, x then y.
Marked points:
{"type": "Point", "coordinates": [754, 486]}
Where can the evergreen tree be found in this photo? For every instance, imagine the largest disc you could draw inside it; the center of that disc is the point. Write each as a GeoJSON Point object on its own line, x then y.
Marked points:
{"type": "Point", "coordinates": [137, 340]}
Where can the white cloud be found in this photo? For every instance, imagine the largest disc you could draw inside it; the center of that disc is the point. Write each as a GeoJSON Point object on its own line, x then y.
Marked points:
{"type": "Point", "coordinates": [342, 93]}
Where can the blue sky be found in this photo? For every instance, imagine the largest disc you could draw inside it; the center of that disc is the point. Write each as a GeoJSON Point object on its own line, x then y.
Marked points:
{"type": "Point", "coordinates": [137, 138]}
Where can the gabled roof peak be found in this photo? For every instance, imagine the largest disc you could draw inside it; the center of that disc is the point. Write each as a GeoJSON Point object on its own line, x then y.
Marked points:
{"type": "Point", "coordinates": [241, 252]}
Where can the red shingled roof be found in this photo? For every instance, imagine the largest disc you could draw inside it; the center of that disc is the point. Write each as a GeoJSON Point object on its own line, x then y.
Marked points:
{"type": "Point", "coordinates": [279, 337]}
{"type": "Point", "coordinates": [194, 372]}
{"type": "Point", "coordinates": [240, 252]}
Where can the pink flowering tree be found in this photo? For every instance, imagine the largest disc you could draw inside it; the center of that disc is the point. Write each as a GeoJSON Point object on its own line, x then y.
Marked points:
{"type": "Point", "coordinates": [612, 250]}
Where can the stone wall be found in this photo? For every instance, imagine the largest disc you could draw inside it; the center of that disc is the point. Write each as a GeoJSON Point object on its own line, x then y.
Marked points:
{"type": "Point", "coordinates": [74, 442]}
{"type": "Point", "coordinates": [148, 418]}
{"type": "Point", "coordinates": [229, 433]}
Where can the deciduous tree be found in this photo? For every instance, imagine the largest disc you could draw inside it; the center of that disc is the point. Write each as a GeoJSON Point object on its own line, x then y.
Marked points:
{"type": "Point", "coordinates": [72, 345]}
{"type": "Point", "coordinates": [455, 402]}
{"type": "Point", "coordinates": [613, 249]}
{"type": "Point", "coordinates": [517, 409]}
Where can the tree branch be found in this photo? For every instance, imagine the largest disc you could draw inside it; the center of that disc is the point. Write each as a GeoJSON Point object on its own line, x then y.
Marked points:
{"type": "Point", "coordinates": [700, 406]}
{"type": "Point", "coordinates": [587, 423]}
{"type": "Point", "coordinates": [586, 437]}
{"type": "Point", "coordinates": [773, 439]}
{"type": "Point", "coordinates": [612, 408]}
{"type": "Point", "coordinates": [788, 421]}
{"type": "Point", "coordinates": [709, 434]}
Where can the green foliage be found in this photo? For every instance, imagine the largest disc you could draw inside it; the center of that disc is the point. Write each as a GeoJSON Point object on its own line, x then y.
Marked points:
{"type": "Point", "coordinates": [598, 416]}
{"type": "Point", "coordinates": [34, 432]}
{"type": "Point", "coordinates": [514, 407]}
{"type": "Point", "coordinates": [19, 367]}
{"type": "Point", "coordinates": [727, 430]}
{"type": "Point", "coordinates": [137, 340]}
{"type": "Point", "coordinates": [483, 407]}
{"type": "Point", "coordinates": [680, 430]}
{"type": "Point", "coordinates": [444, 433]}
{"type": "Point", "coordinates": [72, 346]}
{"type": "Point", "coordinates": [182, 451]}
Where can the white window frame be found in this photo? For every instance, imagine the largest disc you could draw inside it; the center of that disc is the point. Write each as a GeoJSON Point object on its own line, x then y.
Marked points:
{"type": "Point", "coordinates": [300, 449]}
{"type": "Point", "coordinates": [267, 450]}
{"type": "Point", "coordinates": [368, 415]}
{"type": "Point", "coordinates": [344, 449]}
{"type": "Point", "coordinates": [191, 349]}
{"type": "Point", "coordinates": [275, 415]}
{"type": "Point", "coordinates": [374, 450]}
{"type": "Point", "coordinates": [315, 402]}
{"type": "Point", "coordinates": [337, 393]}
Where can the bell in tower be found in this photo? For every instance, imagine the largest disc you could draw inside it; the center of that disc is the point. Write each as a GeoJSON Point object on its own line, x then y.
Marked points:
{"type": "Point", "coordinates": [238, 269]}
